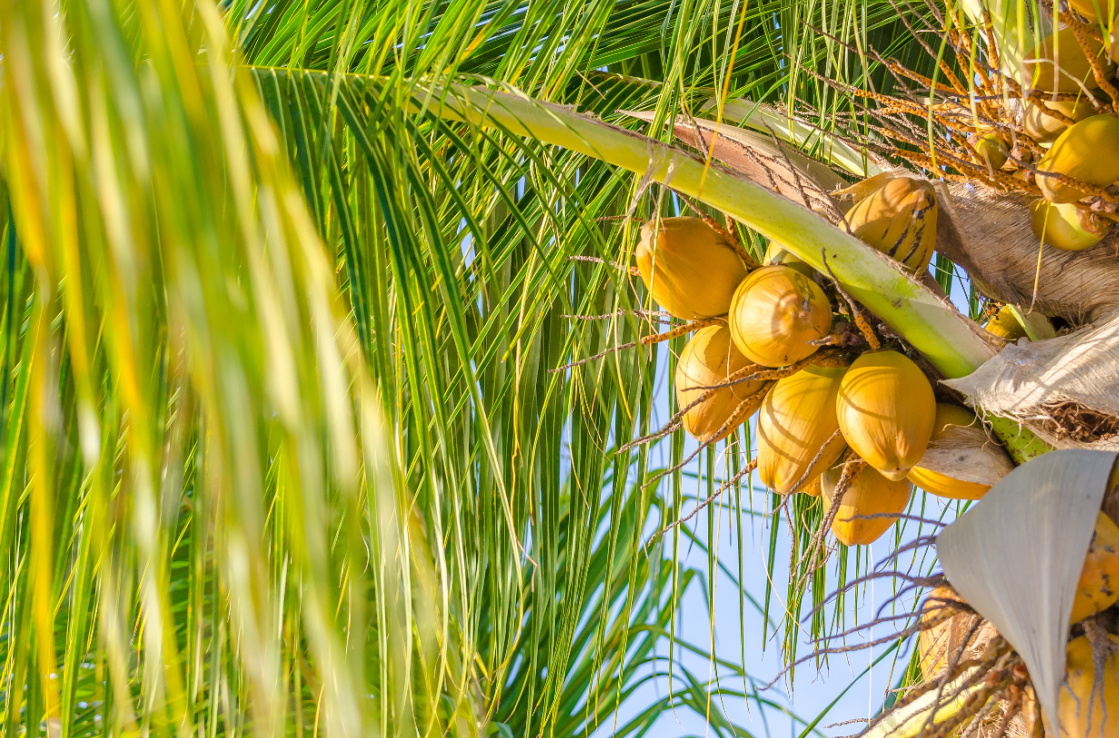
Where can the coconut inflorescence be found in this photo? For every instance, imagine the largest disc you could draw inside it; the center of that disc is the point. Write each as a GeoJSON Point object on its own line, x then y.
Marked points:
{"type": "Point", "coordinates": [1087, 152]}
{"type": "Point", "coordinates": [1059, 64]}
{"type": "Point", "coordinates": [1081, 163]}
{"type": "Point", "coordinates": [1044, 121]}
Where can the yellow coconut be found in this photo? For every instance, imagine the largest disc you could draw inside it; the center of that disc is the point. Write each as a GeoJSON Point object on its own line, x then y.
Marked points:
{"type": "Point", "coordinates": [1043, 127]}
{"type": "Point", "coordinates": [1005, 325]}
{"type": "Point", "coordinates": [961, 461]}
{"type": "Point", "coordinates": [898, 219]}
{"type": "Point", "coordinates": [1088, 709]}
{"type": "Point", "coordinates": [774, 254]}
{"type": "Point", "coordinates": [689, 268]}
{"type": "Point", "coordinates": [886, 411]}
{"type": "Point", "coordinates": [990, 150]}
{"type": "Point", "coordinates": [1098, 587]}
{"type": "Point", "coordinates": [775, 315]}
{"type": "Point", "coordinates": [1065, 226]}
{"type": "Point", "coordinates": [1059, 64]}
{"type": "Point", "coordinates": [812, 489]}
{"type": "Point", "coordinates": [706, 361]}
{"type": "Point", "coordinates": [795, 422]}
{"type": "Point", "coordinates": [1095, 9]}
{"type": "Point", "coordinates": [1088, 152]}
{"type": "Point", "coordinates": [868, 494]}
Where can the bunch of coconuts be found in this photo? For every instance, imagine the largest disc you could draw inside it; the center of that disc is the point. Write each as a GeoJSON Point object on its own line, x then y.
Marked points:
{"type": "Point", "coordinates": [759, 352]}
{"type": "Point", "coordinates": [1087, 151]}
{"type": "Point", "coordinates": [1076, 134]}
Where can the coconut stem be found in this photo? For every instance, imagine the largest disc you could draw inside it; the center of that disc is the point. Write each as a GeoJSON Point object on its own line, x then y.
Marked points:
{"type": "Point", "coordinates": [851, 469]}
{"type": "Point", "coordinates": [730, 483]}
{"type": "Point", "coordinates": [1087, 189]}
{"type": "Point", "coordinates": [732, 422]}
{"type": "Point", "coordinates": [856, 312]}
{"type": "Point", "coordinates": [745, 374]}
{"type": "Point", "coordinates": [831, 358]}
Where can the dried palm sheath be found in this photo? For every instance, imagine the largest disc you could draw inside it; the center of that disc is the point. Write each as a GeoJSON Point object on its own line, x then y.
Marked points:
{"type": "Point", "coordinates": [782, 169]}
{"type": "Point", "coordinates": [1056, 385]}
{"type": "Point", "coordinates": [1034, 526]}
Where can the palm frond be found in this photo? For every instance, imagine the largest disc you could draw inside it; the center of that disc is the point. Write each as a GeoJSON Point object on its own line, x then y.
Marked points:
{"type": "Point", "coordinates": [288, 442]}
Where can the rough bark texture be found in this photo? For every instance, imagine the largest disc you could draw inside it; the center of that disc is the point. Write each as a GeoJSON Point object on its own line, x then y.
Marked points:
{"type": "Point", "coordinates": [988, 234]}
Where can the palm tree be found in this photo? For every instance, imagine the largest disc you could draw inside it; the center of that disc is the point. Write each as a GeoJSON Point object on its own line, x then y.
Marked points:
{"type": "Point", "coordinates": [316, 381]}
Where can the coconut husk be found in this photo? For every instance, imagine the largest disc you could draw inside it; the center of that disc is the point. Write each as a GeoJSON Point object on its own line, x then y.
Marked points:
{"type": "Point", "coordinates": [962, 637]}
{"type": "Point", "coordinates": [1066, 389]}
{"type": "Point", "coordinates": [1019, 726]}
{"type": "Point", "coordinates": [988, 234]}
{"type": "Point", "coordinates": [967, 454]}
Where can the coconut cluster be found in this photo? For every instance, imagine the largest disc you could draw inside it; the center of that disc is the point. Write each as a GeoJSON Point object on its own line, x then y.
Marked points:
{"type": "Point", "coordinates": [1086, 152]}
{"type": "Point", "coordinates": [778, 341]}
{"type": "Point", "coordinates": [1064, 139]}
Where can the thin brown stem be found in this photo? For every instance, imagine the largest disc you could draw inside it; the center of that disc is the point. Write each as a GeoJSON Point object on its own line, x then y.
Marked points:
{"type": "Point", "coordinates": [1101, 77]}
{"type": "Point", "coordinates": [734, 480]}
{"type": "Point", "coordinates": [680, 330]}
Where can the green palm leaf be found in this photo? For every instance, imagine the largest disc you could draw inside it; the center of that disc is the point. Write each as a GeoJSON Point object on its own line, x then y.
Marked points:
{"type": "Point", "coordinates": [284, 448]}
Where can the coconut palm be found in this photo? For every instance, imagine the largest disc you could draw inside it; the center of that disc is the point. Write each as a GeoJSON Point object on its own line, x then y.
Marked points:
{"type": "Point", "coordinates": [322, 364]}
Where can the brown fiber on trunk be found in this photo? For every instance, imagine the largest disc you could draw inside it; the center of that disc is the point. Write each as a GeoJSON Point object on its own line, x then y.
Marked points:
{"type": "Point", "coordinates": [988, 234]}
